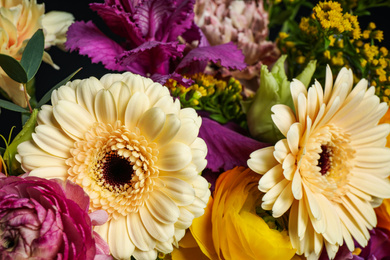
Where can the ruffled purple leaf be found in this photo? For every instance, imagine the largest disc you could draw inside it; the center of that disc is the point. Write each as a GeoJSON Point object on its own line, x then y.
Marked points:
{"type": "Point", "coordinates": [227, 55]}
{"type": "Point", "coordinates": [117, 18]}
{"type": "Point", "coordinates": [88, 40]}
{"type": "Point", "coordinates": [149, 17]}
{"type": "Point", "coordinates": [151, 57]}
{"type": "Point", "coordinates": [176, 76]}
{"type": "Point", "coordinates": [180, 19]}
{"type": "Point", "coordinates": [194, 33]}
{"type": "Point", "coordinates": [226, 148]}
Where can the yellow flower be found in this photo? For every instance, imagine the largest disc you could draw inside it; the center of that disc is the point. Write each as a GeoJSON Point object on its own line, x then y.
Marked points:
{"type": "Point", "coordinates": [134, 152]}
{"type": "Point", "coordinates": [19, 20]}
{"type": "Point", "coordinates": [230, 227]}
{"type": "Point", "coordinates": [331, 169]}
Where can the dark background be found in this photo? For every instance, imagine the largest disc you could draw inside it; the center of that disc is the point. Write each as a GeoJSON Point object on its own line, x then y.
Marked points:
{"type": "Point", "coordinates": [47, 77]}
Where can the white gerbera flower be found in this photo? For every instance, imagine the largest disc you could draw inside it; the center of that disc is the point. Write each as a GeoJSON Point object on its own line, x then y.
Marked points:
{"type": "Point", "coordinates": [333, 166]}
{"type": "Point", "coordinates": [133, 150]}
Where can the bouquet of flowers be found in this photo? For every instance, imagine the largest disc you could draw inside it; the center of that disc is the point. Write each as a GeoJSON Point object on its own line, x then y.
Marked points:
{"type": "Point", "coordinates": [207, 129]}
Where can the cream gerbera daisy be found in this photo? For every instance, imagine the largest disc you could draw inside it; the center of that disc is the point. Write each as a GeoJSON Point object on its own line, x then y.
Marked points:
{"type": "Point", "coordinates": [333, 166]}
{"type": "Point", "coordinates": [133, 150]}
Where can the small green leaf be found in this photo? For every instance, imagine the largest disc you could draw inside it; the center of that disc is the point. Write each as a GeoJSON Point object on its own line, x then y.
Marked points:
{"type": "Point", "coordinates": [24, 135]}
{"type": "Point", "coordinates": [33, 53]}
{"type": "Point", "coordinates": [11, 106]}
{"type": "Point", "coordinates": [47, 96]}
{"type": "Point", "coordinates": [13, 68]}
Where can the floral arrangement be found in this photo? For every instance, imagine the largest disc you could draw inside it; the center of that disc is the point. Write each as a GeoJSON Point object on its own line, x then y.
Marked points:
{"type": "Point", "coordinates": [217, 130]}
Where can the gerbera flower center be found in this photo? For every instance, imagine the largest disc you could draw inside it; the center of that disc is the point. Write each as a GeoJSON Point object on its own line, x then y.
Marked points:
{"type": "Point", "coordinates": [116, 170]}
{"type": "Point", "coordinates": [327, 162]}
{"type": "Point", "coordinates": [115, 166]}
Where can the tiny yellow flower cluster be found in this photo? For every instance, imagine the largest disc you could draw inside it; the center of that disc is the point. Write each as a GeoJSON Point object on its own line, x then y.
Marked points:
{"type": "Point", "coordinates": [219, 97]}
{"type": "Point", "coordinates": [329, 17]}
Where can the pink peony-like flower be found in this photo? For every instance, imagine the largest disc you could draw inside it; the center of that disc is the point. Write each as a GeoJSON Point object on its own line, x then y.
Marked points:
{"type": "Point", "coordinates": [46, 219]}
{"type": "Point", "coordinates": [244, 23]}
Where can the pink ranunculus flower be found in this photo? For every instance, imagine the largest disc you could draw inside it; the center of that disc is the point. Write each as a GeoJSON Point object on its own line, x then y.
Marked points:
{"type": "Point", "coordinates": [46, 219]}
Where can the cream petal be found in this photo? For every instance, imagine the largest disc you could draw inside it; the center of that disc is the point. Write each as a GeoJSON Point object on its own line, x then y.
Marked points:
{"type": "Point", "coordinates": [102, 231]}
{"type": "Point", "coordinates": [341, 92]}
{"type": "Point", "coordinates": [151, 123]}
{"type": "Point", "coordinates": [151, 254]}
{"type": "Point", "coordinates": [119, 241]}
{"type": "Point", "coordinates": [379, 132]}
{"type": "Point", "coordinates": [314, 208]}
{"type": "Point", "coordinates": [155, 92]}
{"type": "Point", "coordinates": [36, 161]}
{"type": "Point", "coordinates": [197, 207]}
{"type": "Point", "coordinates": [289, 166]}
{"type": "Point", "coordinates": [283, 118]}
{"type": "Point", "coordinates": [344, 80]}
{"type": "Point", "coordinates": [105, 107]}
{"type": "Point", "coordinates": [283, 202]}
{"type": "Point", "coordinates": [302, 109]}
{"type": "Point", "coordinates": [136, 107]}
{"type": "Point", "coordinates": [198, 159]}
{"type": "Point", "coordinates": [293, 137]}
{"type": "Point", "coordinates": [46, 117]}
{"type": "Point", "coordinates": [281, 150]}
{"type": "Point", "coordinates": [359, 193]}
{"type": "Point", "coordinates": [135, 82]}
{"type": "Point", "coordinates": [29, 148]}
{"type": "Point", "coordinates": [169, 130]}
{"type": "Point", "coordinates": [53, 141]}
{"type": "Point", "coordinates": [331, 250]}
{"type": "Point", "coordinates": [293, 226]}
{"type": "Point", "coordinates": [347, 238]}
{"type": "Point", "coordinates": [262, 160]}
{"type": "Point", "coordinates": [110, 78]}
{"type": "Point", "coordinates": [86, 92]}
{"type": "Point", "coordinates": [65, 93]}
{"type": "Point", "coordinates": [328, 84]}
{"type": "Point", "coordinates": [302, 217]}
{"type": "Point", "coordinates": [368, 121]}
{"type": "Point", "coordinates": [187, 174]}
{"type": "Point", "coordinates": [158, 230]}
{"type": "Point", "coordinates": [188, 131]}
{"type": "Point", "coordinates": [185, 219]}
{"type": "Point", "coordinates": [297, 185]}
{"type": "Point", "coordinates": [190, 113]}
{"type": "Point", "coordinates": [373, 154]}
{"type": "Point", "coordinates": [200, 186]}
{"type": "Point", "coordinates": [121, 93]}
{"type": "Point", "coordinates": [330, 111]}
{"type": "Point", "coordinates": [178, 190]}
{"type": "Point", "coordinates": [313, 103]}
{"type": "Point", "coordinates": [345, 111]}
{"type": "Point", "coordinates": [333, 225]}
{"type": "Point", "coordinates": [382, 172]}
{"type": "Point", "coordinates": [271, 178]}
{"type": "Point", "coordinates": [164, 247]}
{"type": "Point", "coordinates": [74, 119]}
{"type": "Point", "coordinates": [50, 172]}
{"type": "Point", "coordinates": [297, 87]}
{"type": "Point", "coordinates": [161, 207]}
{"type": "Point", "coordinates": [360, 86]}
{"type": "Point", "coordinates": [372, 185]}
{"type": "Point", "coordinates": [361, 223]}
{"type": "Point", "coordinates": [364, 207]}
{"type": "Point", "coordinates": [165, 103]}
{"type": "Point", "coordinates": [275, 192]}
{"type": "Point", "coordinates": [174, 156]}
{"type": "Point", "coordinates": [138, 234]}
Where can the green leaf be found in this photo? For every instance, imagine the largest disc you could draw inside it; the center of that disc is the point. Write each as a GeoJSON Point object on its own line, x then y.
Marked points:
{"type": "Point", "coordinates": [13, 68]}
{"type": "Point", "coordinates": [47, 96]}
{"type": "Point", "coordinates": [24, 135]}
{"type": "Point", "coordinates": [11, 106]}
{"type": "Point", "coordinates": [33, 53]}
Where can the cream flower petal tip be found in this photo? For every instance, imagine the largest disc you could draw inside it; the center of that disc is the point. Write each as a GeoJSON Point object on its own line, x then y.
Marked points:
{"type": "Point", "coordinates": [126, 142]}
{"type": "Point", "coordinates": [331, 167]}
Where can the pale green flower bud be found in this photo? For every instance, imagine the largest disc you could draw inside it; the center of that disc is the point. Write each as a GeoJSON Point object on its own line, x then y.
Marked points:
{"type": "Point", "coordinates": [274, 89]}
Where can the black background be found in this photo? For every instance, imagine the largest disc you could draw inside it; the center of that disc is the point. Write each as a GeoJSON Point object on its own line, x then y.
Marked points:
{"type": "Point", "coordinates": [47, 77]}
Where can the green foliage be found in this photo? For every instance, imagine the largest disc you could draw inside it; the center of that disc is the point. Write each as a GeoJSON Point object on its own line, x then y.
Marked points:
{"type": "Point", "coordinates": [33, 54]}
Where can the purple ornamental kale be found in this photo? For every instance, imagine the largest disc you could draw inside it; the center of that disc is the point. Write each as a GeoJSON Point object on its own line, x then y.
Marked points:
{"type": "Point", "coordinates": [158, 37]}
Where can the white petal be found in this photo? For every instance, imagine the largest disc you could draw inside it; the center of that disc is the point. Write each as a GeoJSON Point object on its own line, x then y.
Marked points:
{"type": "Point", "coordinates": [200, 186]}
{"type": "Point", "coordinates": [164, 247]}
{"type": "Point", "coordinates": [65, 93]}
{"type": "Point", "coordinates": [110, 78]}
{"type": "Point", "coordinates": [158, 230]}
{"type": "Point", "coordinates": [121, 93]}
{"type": "Point", "coordinates": [137, 105]}
{"type": "Point", "coordinates": [169, 131]}
{"type": "Point", "coordinates": [163, 208]}
{"type": "Point", "coordinates": [174, 156]}
{"type": "Point", "coordinates": [186, 174]}
{"type": "Point", "coordinates": [185, 219]}
{"type": "Point", "coordinates": [283, 202]}
{"type": "Point", "coordinates": [151, 254]}
{"type": "Point", "coordinates": [151, 123]}
{"type": "Point", "coordinates": [167, 105]}
{"type": "Point", "coordinates": [53, 141]}
{"type": "Point", "coordinates": [74, 119]}
{"type": "Point", "coordinates": [50, 172]}
{"type": "Point", "coordinates": [188, 131]}
{"type": "Point", "coordinates": [197, 208]}
{"type": "Point", "coordinates": [271, 178]}
{"type": "Point", "coordinates": [283, 118]}
{"type": "Point", "coordinates": [155, 92]}
{"type": "Point", "coordinates": [262, 160]}
{"type": "Point", "coordinates": [45, 116]}
{"type": "Point", "coordinates": [178, 190]}
{"type": "Point", "coordinates": [119, 241]}
{"type": "Point", "coordinates": [86, 92]}
{"type": "Point", "coordinates": [105, 107]}
{"type": "Point", "coordinates": [138, 234]}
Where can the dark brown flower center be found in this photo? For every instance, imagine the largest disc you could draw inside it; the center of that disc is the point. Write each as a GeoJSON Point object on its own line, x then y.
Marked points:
{"type": "Point", "coordinates": [325, 161]}
{"type": "Point", "coordinates": [116, 170]}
